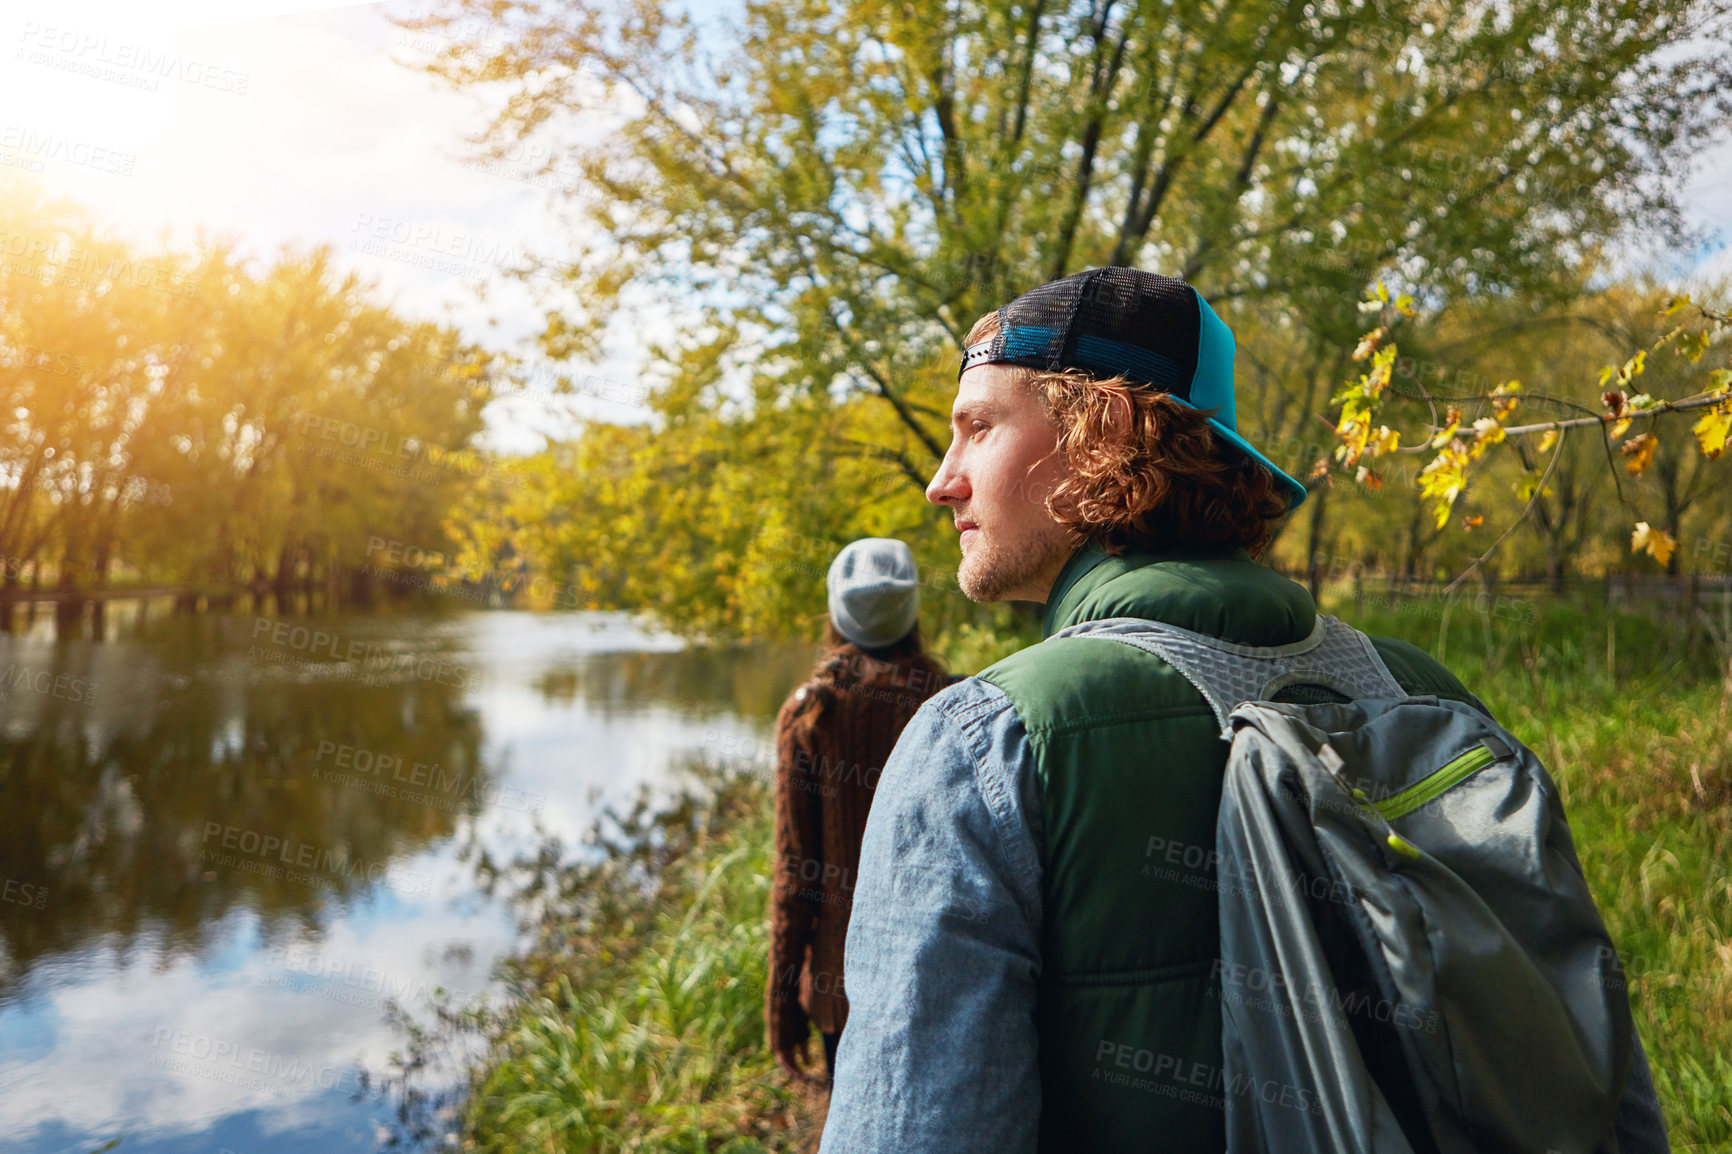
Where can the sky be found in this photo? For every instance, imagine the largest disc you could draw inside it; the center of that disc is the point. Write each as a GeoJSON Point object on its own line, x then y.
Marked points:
{"type": "Point", "coordinates": [280, 123]}
{"type": "Point", "coordinates": [293, 124]}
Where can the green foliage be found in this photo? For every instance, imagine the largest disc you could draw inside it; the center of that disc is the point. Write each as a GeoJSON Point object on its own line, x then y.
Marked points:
{"type": "Point", "coordinates": [828, 199]}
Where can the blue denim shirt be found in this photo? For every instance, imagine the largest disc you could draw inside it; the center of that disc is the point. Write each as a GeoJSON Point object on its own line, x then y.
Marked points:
{"type": "Point", "coordinates": [940, 1050]}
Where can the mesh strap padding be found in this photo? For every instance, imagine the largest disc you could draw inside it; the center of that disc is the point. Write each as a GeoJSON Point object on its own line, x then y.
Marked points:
{"type": "Point", "coordinates": [1335, 655]}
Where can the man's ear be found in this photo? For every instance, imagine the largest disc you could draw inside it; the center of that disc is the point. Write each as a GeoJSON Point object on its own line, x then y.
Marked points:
{"type": "Point", "coordinates": [1117, 419]}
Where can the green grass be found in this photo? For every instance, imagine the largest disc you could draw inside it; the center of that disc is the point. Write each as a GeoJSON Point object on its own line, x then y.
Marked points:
{"type": "Point", "coordinates": [639, 1026]}
{"type": "Point", "coordinates": [640, 1020]}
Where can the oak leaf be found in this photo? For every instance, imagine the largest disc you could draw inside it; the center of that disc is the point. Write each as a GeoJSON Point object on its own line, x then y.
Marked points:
{"type": "Point", "coordinates": [1657, 543]}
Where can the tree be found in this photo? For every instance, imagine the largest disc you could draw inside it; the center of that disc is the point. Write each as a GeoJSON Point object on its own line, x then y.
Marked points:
{"type": "Point", "coordinates": [833, 199]}
{"type": "Point", "coordinates": [212, 423]}
{"type": "Point", "coordinates": [1461, 438]}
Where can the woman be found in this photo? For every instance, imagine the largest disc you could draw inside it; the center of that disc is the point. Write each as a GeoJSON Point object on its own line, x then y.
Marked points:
{"type": "Point", "coordinates": [833, 736]}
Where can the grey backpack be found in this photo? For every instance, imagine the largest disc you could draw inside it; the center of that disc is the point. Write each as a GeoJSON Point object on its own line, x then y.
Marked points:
{"type": "Point", "coordinates": [1410, 959]}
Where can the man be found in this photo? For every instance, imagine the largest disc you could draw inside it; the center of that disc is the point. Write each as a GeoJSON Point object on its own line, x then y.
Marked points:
{"type": "Point", "coordinates": [1032, 960]}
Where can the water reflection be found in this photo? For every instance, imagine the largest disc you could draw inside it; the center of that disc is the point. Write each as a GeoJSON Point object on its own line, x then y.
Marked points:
{"type": "Point", "coordinates": [168, 787]}
{"type": "Point", "coordinates": [233, 837]}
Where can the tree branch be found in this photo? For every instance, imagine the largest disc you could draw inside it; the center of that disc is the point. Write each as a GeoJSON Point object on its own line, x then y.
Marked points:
{"type": "Point", "coordinates": [1557, 451]}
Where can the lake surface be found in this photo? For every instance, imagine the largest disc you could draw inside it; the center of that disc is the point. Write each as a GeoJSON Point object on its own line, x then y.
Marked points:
{"type": "Point", "coordinates": [231, 839]}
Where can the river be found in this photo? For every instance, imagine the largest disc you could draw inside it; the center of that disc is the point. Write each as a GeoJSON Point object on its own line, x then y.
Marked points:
{"type": "Point", "coordinates": [232, 839]}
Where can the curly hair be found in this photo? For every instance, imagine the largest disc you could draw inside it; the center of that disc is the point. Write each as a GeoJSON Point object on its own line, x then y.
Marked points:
{"type": "Point", "coordinates": [1166, 477]}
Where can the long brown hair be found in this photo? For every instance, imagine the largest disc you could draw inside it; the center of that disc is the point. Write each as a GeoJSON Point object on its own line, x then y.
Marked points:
{"type": "Point", "coordinates": [845, 667]}
{"type": "Point", "coordinates": [1163, 478]}
{"type": "Point", "coordinates": [844, 654]}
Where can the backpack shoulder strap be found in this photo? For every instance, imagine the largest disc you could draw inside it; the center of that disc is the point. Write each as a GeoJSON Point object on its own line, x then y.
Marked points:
{"type": "Point", "coordinates": [1228, 674]}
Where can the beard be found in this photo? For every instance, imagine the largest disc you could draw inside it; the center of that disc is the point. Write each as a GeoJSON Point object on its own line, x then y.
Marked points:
{"type": "Point", "coordinates": [994, 569]}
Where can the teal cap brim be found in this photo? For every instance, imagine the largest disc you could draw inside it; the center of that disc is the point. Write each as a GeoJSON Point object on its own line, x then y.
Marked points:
{"type": "Point", "coordinates": [1212, 388]}
{"type": "Point", "coordinates": [1293, 490]}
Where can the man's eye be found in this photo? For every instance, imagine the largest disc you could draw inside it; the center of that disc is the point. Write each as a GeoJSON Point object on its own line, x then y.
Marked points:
{"type": "Point", "coordinates": [979, 427]}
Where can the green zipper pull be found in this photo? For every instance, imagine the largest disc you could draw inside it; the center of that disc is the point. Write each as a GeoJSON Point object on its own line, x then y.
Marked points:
{"type": "Point", "coordinates": [1402, 846]}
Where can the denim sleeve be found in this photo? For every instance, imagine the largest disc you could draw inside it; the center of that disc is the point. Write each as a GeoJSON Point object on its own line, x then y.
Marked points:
{"type": "Point", "coordinates": [939, 1053]}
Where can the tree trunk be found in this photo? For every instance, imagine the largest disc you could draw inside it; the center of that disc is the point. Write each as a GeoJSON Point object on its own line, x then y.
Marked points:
{"type": "Point", "coordinates": [1314, 547]}
{"type": "Point", "coordinates": [1554, 568]}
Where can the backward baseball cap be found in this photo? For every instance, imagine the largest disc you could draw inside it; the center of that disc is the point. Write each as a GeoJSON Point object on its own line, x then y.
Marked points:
{"type": "Point", "coordinates": [1156, 330]}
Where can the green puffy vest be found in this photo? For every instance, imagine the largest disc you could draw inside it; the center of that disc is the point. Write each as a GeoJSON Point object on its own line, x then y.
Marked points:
{"type": "Point", "coordinates": [1129, 762]}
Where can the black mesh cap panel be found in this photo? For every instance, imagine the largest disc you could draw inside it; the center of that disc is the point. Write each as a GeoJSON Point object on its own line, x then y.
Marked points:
{"type": "Point", "coordinates": [1105, 321]}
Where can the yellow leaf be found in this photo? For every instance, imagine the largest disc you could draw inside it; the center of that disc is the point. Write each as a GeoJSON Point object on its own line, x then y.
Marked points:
{"type": "Point", "coordinates": [1640, 450]}
{"type": "Point", "coordinates": [1693, 345]}
{"type": "Point", "coordinates": [1369, 342]}
{"type": "Point", "coordinates": [1634, 366]}
{"type": "Point", "coordinates": [1384, 440]}
{"type": "Point", "coordinates": [1506, 400]}
{"type": "Point", "coordinates": [1548, 439]}
{"type": "Point", "coordinates": [1443, 480]}
{"type": "Point", "coordinates": [1712, 431]}
{"type": "Point", "coordinates": [1657, 543]}
{"type": "Point", "coordinates": [1525, 490]}
{"type": "Point", "coordinates": [1621, 427]}
{"type": "Point", "coordinates": [1488, 430]}
{"type": "Point", "coordinates": [1443, 438]}
{"type": "Point", "coordinates": [1473, 522]}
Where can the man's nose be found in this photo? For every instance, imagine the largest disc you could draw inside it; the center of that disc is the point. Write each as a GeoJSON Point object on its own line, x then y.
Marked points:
{"type": "Point", "coordinates": [947, 484]}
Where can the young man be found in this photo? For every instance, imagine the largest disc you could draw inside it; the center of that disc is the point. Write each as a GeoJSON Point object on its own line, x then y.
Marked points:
{"type": "Point", "coordinates": [1034, 939]}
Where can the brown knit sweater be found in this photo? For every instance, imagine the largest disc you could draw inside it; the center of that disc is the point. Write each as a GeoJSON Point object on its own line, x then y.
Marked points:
{"type": "Point", "coordinates": [833, 736]}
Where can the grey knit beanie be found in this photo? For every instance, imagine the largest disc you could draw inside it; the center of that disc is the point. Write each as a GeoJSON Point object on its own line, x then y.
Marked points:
{"type": "Point", "coordinates": [874, 591]}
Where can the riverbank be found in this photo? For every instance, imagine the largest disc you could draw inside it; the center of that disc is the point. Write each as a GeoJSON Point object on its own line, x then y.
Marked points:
{"type": "Point", "coordinates": [639, 1024]}
{"type": "Point", "coordinates": [639, 1021]}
